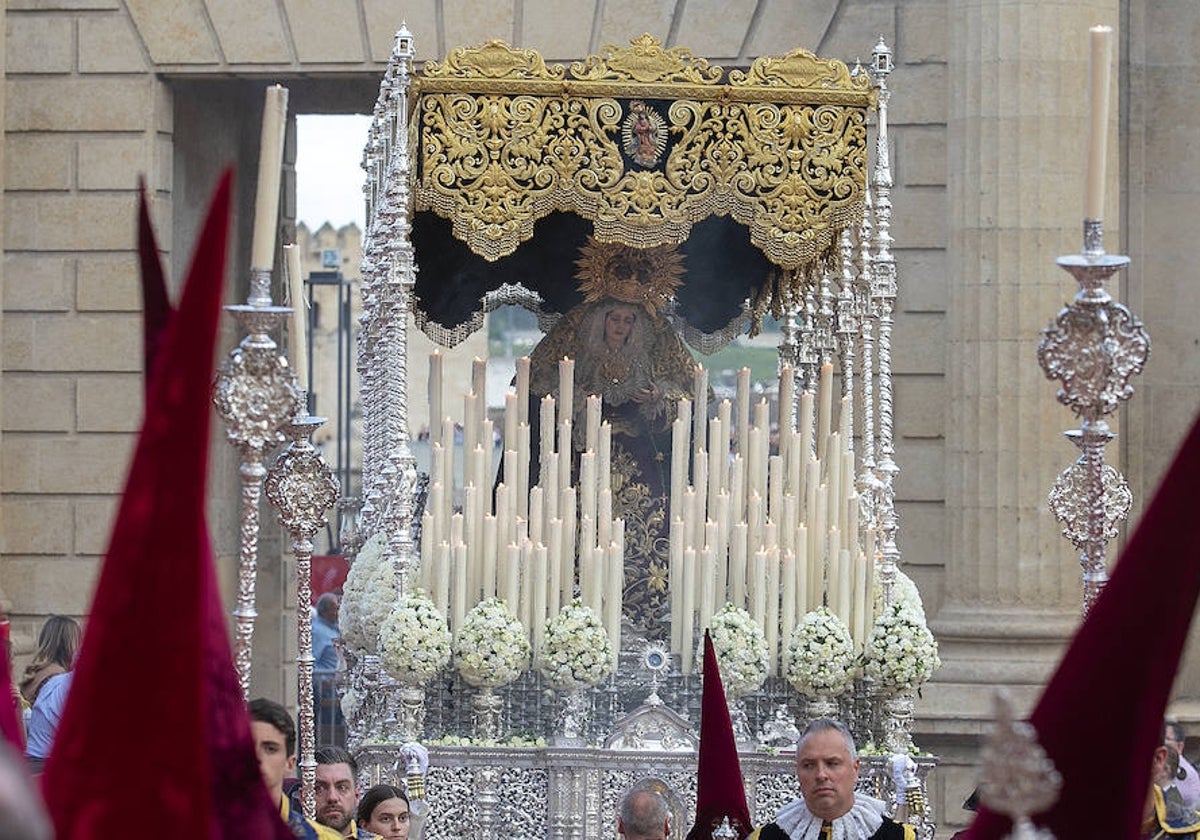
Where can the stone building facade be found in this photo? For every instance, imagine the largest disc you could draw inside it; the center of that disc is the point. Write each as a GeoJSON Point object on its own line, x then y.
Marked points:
{"type": "Point", "coordinates": [988, 120]}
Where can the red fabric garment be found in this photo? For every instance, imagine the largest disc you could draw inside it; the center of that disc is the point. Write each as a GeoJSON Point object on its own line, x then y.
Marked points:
{"type": "Point", "coordinates": [1100, 717]}
{"type": "Point", "coordinates": [720, 790]}
{"type": "Point", "coordinates": [155, 732]}
{"type": "Point", "coordinates": [156, 306]}
{"type": "Point", "coordinates": [10, 726]}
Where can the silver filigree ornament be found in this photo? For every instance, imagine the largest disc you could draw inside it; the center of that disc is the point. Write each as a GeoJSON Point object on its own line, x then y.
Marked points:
{"type": "Point", "coordinates": [303, 488]}
{"type": "Point", "coordinates": [1070, 505]}
{"type": "Point", "coordinates": [1019, 780]}
{"type": "Point", "coordinates": [255, 393]}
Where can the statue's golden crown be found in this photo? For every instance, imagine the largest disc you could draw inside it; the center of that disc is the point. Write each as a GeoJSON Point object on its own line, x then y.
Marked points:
{"type": "Point", "coordinates": [645, 276]}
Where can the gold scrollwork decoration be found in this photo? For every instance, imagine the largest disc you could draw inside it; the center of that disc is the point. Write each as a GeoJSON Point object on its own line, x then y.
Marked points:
{"type": "Point", "coordinates": [493, 60]}
{"type": "Point", "coordinates": [791, 168]}
{"type": "Point", "coordinates": [646, 61]}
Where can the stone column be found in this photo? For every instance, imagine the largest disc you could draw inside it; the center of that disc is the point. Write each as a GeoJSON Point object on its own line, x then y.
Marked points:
{"type": "Point", "coordinates": [1018, 108]}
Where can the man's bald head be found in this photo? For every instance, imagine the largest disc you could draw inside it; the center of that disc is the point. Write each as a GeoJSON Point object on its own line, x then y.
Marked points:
{"type": "Point", "coordinates": [644, 814]}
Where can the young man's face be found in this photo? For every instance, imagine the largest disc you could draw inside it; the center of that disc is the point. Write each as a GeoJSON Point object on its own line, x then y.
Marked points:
{"type": "Point", "coordinates": [337, 797]}
{"type": "Point", "coordinates": [273, 760]}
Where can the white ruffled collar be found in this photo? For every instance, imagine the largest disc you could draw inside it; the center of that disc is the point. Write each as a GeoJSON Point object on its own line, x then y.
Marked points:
{"type": "Point", "coordinates": [859, 823]}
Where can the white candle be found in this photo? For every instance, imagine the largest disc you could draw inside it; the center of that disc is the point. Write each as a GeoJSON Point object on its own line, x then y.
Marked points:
{"type": "Point", "coordinates": [743, 409]}
{"type": "Point", "coordinates": [687, 609]}
{"type": "Point", "coordinates": [806, 426]}
{"type": "Point", "coordinates": [787, 417]}
{"type": "Point", "coordinates": [523, 389]}
{"type": "Point", "coordinates": [270, 163]}
{"type": "Point", "coordinates": [491, 559]}
{"type": "Point", "coordinates": [718, 459]}
{"type": "Point", "coordinates": [541, 568]}
{"type": "Point", "coordinates": [737, 489]}
{"type": "Point", "coordinates": [825, 412]}
{"type": "Point", "coordinates": [555, 597]}
{"type": "Point", "coordinates": [522, 482]}
{"type": "Point", "coordinates": [845, 586]}
{"type": "Point", "coordinates": [479, 387]}
{"type": "Point", "coordinates": [473, 538]}
{"type": "Point", "coordinates": [758, 593]}
{"type": "Point", "coordinates": [550, 485]}
{"type": "Point", "coordinates": [566, 392]}
{"type": "Point", "coordinates": [604, 518]}
{"type": "Point", "coordinates": [675, 581]}
{"type": "Point", "coordinates": [537, 512]}
{"type": "Point", "coordinates": [1097, 148]}
{"type": "Point", "coordinates": [546, 432]}
{"type": "Point", "coordinates": [615, 569]}
{"type": "Point", "coordinates": [722, 547]}
{"type": "Point", "coordinates": [566, 509]}
{"type": "Point", "coordinates": [564, 451]}
{"type": "Point", "coordinates": [787, 615]}
{"type": "Point", "coordinates": [737, 564]}
{"type": "Point", "coordinates": [805, 588]}
{"type": "Point", "coordinates": [837, 501]}
{"type": "Point", "coordinates": [441, 578]}
{"type": "Point", "coordinates": [470, 431]}
{"type": "Point", "coordinates": [459, 604]}
{"type": "Point", "coordinates": [604, 457]}
{"type": "Point", "coordinates": [591, 437]}
{"type": "Point", "coordinates": [700, 398]}
{"type": "Point", "coordinates": [775, 488]}
{"type": "Point", "coordinates": [510, 590]}
{"type": "Point", "coordinates": [527, 586]}
{"type": "Point", "coordinates": [707, 586]}
{"type": "Point", "coordinates": [587, 485]}
{"type": "Point", "coordinates": [771, 615]}
{"type": "Point", "coordinates": [298, 336]}
{"type": "Point", "coordinates": [512, 420]}
{"type": "Point", "coordinates": [862, 606]}
{"type": "Point", "coordinates": [435, 397]}
{"type": "Point", "coordinates": [700, 479]}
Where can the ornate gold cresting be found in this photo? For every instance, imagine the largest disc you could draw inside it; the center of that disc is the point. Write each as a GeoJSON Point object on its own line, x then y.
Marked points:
{"type": "Point", "coordinates": [505, 139]}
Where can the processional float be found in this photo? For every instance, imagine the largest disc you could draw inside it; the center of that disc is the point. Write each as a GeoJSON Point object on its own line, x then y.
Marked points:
{"type": "Point", "coordinates": [507, 180]}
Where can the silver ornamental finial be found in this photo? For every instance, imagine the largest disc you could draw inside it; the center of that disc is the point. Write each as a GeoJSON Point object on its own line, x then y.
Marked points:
{"type": "Point", "coordinates": [1018, 778]}
{"type": "Point", "coordinates": [724, 831]}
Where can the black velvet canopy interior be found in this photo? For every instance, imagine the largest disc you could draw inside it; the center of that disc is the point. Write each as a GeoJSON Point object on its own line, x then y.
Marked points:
{"type": "Point", "coordinates": [722, 269]}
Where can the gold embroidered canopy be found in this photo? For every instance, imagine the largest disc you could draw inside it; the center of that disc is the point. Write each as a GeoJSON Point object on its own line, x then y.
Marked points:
{"type": "Point", "coordinates": [645, 142]}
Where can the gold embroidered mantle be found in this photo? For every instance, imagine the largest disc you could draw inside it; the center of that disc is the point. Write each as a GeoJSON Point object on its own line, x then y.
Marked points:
{"type": "Point", "coordinates": [644, 141]}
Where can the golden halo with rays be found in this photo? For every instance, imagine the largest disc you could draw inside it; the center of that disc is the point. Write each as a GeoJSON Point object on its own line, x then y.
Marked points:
{"type": "Point", "coordinates": [646, 276]}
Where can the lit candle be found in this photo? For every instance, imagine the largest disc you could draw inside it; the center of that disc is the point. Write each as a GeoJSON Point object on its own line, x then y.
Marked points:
{"type": "Point", "coordinates": [298, 336]}
{"type": "Point", "coordinates": [1097, 147]}
{"type": "Point", "coordinates": [604, 457]}
{"type": "Point", "coordinates": [270, 163]}
{"type": "Point", "coordinates": [718, 459]}
{"type": "Point", "coordinates": [592, 429]}
{"type": "Point", "coordinates": [564, 451]}
{"type": "Point", "coordinates": [512, 419]}
{"type": "Point", "coordinates": [479, 387]}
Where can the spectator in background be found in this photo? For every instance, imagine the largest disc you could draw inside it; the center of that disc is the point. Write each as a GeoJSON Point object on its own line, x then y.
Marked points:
{"type": "Point", "coordinates": [326, 705]}
{"type": "Point", "coordinates": [45, 684]}
{"type": "Point", "coordinates": [337, 791]}
{"type": "Point", "coordinates": [644, 815]}
{"type": "Point", "coordinates": [274, 734]}
{"type": "Point", "coordinates": [1186, 780]}
{"type": "Point", "coordinates": [324, 631]}
{"type": "Point", "coordinates": [383, 809]}
{"type": "Point", "coordinates": [22, 816]}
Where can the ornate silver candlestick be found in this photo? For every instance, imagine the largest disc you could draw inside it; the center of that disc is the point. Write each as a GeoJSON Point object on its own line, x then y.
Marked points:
{"type": "Point", "coordinates": [255, 394]}
{"type": "Point", "coordinates": [303, 487]}
{"type": "Point", "coordinates": [1093, 347]}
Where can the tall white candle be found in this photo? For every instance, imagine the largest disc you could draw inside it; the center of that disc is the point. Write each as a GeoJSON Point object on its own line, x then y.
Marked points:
{"type": "Point", "coordinates": [458, 606]}
{"type": "Point", "coordinates": [825, 411]}
{"type": "Point", "coordinates": [567, 510]}
{"type": "Point", "coordinates": [541, 567]}
{"type": "Point", "coordinates": [675, 580]}
{"type": "Point", "coordinates": [527, 586]}
{"type": "Point", "coordinates": [554, 598]}
{"type": "Point", "coordinates": [743, 409]}
{"type": "Point", "coordinates": [441, 578]}
{"type": "Point", "coordinates": [270, 168]}
{"type": "Point", "coordinates": [564, 451]}
{"type": "Point", "coordinates": [604, 457]}
{"type": "Point", "coordinates": [615, 582]}
{"type": "Point", "coordinates": [298, 336]}
{"type": "Point", "coordinates": [523, 389]}
{"type": "Point", "coordinates": [479, 387]}
{"type": "Point", "coordinates": [510, 589]}
{"type": "Point", "coordinates": [591, 436]}
{"type": "Point", "coordinates": [707, 585]}
{"type": "Point", "coordinates": [566, 391]}
{"type": "Point", "coordinates": [546, 432]}
{"type": "Point", "coordinates": [718, 459]}
{"type": "Point", "coordinates": [737, 564]}
{"type": "Point", "coordinates": [845, 587]}
{"type": "Point", "coordinates": [587, 485]}
{"type": "Point", "coordinates": [771, 615]}
{"type": "Point", "coordinates": [687, 609]}
{"type": "Point", "coordinates": [1099, 77]}
{"type": "Point", "coordinates": [435, 397]}
{"type": "Point", "coordinates": [787, 607]}
{"type": "Point", "coordinates": [805, 424]}
{"type": "Point", "coordinates": [758, 592]}
{"type": "Point", "coordinates": [491, 559]}
{"type": "Point", "coordinates": [700, 399]}
{"type": "Point", "coordinates": [512, 420]}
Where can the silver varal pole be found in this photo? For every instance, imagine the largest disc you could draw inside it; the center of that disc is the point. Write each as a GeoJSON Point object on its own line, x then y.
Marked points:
{"type": "Point", "coordinates": [1093, 347]}
{"type": "Point", "coordinates": [255, 394]}
{"type": "Point", "coordinates": [303, 488]}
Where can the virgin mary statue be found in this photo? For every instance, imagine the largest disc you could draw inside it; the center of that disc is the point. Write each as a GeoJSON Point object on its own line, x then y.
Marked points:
{"type": "Point", "coordinates": [626, 351]}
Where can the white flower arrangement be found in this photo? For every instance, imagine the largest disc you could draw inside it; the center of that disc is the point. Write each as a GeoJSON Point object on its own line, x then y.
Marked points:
{"type": "Point", "coordinates": [491, 648]}
{"type": "Point", "coordinates": [414, 643]}
{"type": "Point", "coordinates": [904, 592]}
{"type": "Point", "coordinates": [576, 652]}
{"type": "Point", "coordinates": [741, 648]}
{"type": "Point", "coordinates": [368, 596]}
{"type": "Point", "coordinates": [900, 654]}
{"type": "Point", "coordinates": [821, 655]}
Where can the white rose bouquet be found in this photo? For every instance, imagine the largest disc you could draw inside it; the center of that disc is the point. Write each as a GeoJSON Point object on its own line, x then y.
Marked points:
{"type": "Point", "coordinates": [490, 649]}
{"type": "Point", "coordinates": [741, 648]}
{"type": "Point", "coordinates": [900, 654]}
{"type": "Point", "coordinates": [367, 597]}
{"type": "Point", "coordinates": [904, 593]}
{"type": "Point", "coordinates": [576, 652]}
{"type": "Point", "coordinates": [821, 655]}
{"type": "Point", "coordinates": [414, 643]}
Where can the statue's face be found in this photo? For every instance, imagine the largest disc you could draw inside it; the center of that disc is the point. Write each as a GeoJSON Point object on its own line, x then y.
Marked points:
{"type": "Point", "coordinates": [618, 324]}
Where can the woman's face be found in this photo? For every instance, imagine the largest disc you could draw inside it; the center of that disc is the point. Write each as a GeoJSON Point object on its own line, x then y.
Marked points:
{"type": "Point", "coordinates": [618, 324]}
{"type": "Point", "coordinates": [389, 819]}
